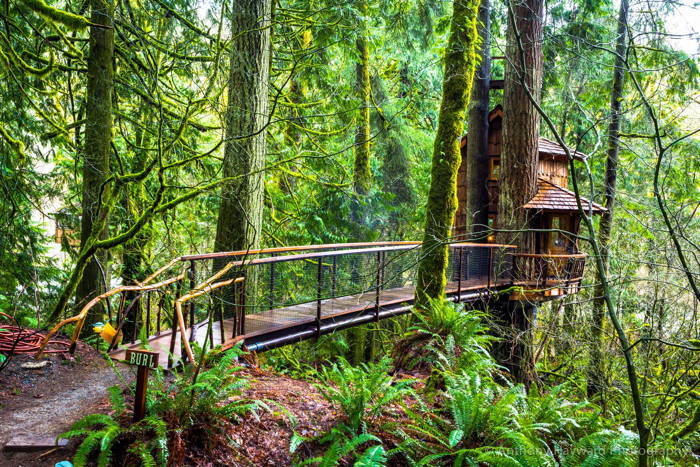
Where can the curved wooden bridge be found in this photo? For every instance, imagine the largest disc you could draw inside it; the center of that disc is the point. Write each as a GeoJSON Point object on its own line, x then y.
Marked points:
{"type": "Point", "coordinates": [276, 296]}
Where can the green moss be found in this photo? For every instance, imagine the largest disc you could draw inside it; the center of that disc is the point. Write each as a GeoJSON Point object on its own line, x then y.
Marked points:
{"type": "Point", "coordinates": [69, 20]}
{"type": "Point", "coordinates": [460, 64]}
{"type": "Point", "coordinates": [13, 59]}
{"type": "Point", "coordinates": [362, 179]}
{"type": "Point", "coordinates": [16, 144]}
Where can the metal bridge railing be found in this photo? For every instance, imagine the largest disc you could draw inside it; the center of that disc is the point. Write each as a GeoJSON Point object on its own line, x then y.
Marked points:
{"type": "Point", "coordinates": [253, 291]}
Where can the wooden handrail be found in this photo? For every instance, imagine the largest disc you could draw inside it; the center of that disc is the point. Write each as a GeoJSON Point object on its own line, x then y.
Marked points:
{"type": "Point", "coordinates": [288, 249]}
{"type": "Point", "coordinates": [546, 255]}
{"type": "Point", "coordinates": [80, 317]}
{"type": "Point", "coordinates": [353, 251]}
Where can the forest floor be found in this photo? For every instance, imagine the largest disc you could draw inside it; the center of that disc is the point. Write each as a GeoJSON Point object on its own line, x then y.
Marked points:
{"type": "Point", "coordinates": [38, 404]}
{"type": "Point", "coordinates": [43, 403]}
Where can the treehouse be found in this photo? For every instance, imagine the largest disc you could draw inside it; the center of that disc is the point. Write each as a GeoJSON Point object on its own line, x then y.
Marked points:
{"type": "Point", "coordinates": [555, 266]}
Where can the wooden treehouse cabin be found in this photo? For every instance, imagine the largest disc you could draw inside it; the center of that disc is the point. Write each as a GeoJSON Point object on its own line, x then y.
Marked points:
{"type": "Point", "coordinates": [556, 265]}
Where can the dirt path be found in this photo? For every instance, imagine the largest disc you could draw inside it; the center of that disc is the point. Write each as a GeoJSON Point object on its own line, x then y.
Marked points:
{"type": "Point", "coordinates": [45, 402]}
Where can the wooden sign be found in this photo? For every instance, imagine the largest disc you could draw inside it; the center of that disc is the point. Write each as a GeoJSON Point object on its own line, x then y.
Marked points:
{"type": "Point", "coordinates": [144, 360]}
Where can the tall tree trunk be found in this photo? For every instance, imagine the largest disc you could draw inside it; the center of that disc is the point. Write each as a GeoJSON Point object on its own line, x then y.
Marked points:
{"type": "Point", "coordinates": [98, 138]}
{"type": "Point", "coordinates": [595, 369]}
{"type": "Point", "coordinates": [240, 214]}
{"type": "Point", "coordinates": [460, 64]}
{"type": "Point", "coordinates": [477, 204]}
{"type": "Point", "coordinates": [362, 178]}
{"type": "Point", "coordinates": [521, 125]}
{"type": "Point", "coordinates": [518, 180]}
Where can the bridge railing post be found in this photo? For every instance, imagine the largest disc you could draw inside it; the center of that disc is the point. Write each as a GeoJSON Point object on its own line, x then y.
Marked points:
{"type": "Point", "coordinates": [319, 295]}
{"type": "Point", "coordinates": [490, 272]}
{"type": "Point", "coordinates": [173, 326]}
{"type": "Point", "coordinates": [148, 314]}
{"type": "Point", "coordinates": [377, 287]}
{"type": "Point", "coordinates": [459, 273]}
{"type": "Point", "coordinates": [272, 284]}
{"type": "Point", "coordinates": [334, 279]}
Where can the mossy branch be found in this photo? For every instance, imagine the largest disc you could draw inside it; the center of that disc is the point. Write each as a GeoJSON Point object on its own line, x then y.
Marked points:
{"type": "Point", "coordinates": [15, 144]}
{"type": "Point", "coordinates": [70, 20]}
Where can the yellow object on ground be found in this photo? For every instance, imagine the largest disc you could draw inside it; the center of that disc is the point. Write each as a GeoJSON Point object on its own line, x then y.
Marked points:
{"type": "Point", "coordinates": [108, 333]}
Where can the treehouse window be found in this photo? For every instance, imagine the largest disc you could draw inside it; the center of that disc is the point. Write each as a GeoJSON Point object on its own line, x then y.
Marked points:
{"type": "Point", "coordinates": [495, 169]}
{"type": "Point", "coordinates": [558, 241]}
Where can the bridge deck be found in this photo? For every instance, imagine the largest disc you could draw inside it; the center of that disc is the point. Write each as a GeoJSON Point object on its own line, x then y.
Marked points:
{"type": "Point", "coordinates": [279, 319]}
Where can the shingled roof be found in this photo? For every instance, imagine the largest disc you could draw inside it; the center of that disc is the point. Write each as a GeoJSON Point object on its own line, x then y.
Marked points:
{"type": "Point", "coordinates": [550, 148]}
{"type": "Point", "coordinates": [551, 197]}
{"type": "Point", "coordinates": [547, 148]}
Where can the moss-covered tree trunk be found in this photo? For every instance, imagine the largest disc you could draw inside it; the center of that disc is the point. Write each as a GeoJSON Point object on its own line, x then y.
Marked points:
{"type": "Point", "coordinates": [135, 262]}
{"type": "Point", "coordinates": [240, 214]}
{"type": "Point", "coordinates": [362, 177]}
{"type": "Point", "coordinates": [477, 204]}
{"type": "Point", "coordinates": [96, 150]}
{"type": "Point", "coordinates": [521, 125]}
{"type": "Point", "coordinates": [595, 369]}
{"type": "Point", "coordinates": [460, 63]}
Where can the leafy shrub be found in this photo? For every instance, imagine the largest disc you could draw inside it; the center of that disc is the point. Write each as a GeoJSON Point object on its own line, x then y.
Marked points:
{"type": "Point", "coordinates": [361, 392]}
{"type": "Point", "coordinates": [342, 445]}
{"type": "Point", "coordinates": [448, 333]}
{"type": "Point", "coordinates": [193, 407]}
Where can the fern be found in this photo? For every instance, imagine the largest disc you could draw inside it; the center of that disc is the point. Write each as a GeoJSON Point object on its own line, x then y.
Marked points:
{"type": "Point", "coordinates": [374, 456]}
{"type": "Point", "coordinates": [208, 400]}
{"type": "Point", "coordinates": [341, 446]}
{"type": "Point", "coordinates": [362, 392]}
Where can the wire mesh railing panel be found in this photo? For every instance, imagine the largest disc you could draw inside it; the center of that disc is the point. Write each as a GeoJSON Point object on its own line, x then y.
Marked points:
{"type": "Point", "coordinates": [283, 288]}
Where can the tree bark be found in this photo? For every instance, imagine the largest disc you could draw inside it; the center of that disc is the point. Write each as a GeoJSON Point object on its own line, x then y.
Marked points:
{"type": "Point", "coordinates": [595, 370]}
{"type": "Point", "coordinates": [362, 177]}
{"type": "Point", "coordinates": [98, 138]}
{"type": "Point", "coordinates": [460, 64]}
{"type": "Point", "coordinates": [240, 214]}
{"type": "Point", "coordinates": [521, 125]}
{"type": "Point", "coordinates": [477, 214]}
{"type": "Point", "coordinates": [519, 159]}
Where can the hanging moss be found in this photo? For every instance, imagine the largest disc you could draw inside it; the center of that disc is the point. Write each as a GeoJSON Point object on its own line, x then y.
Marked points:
{"type": "Point", "coordinates": [460, 64]}
{"type": "Point", "coordinates": [70, 20]}
{"type": "Point", "coordinates": [13, 59]}
{"type": "Point", "coordinates": [16, 144]}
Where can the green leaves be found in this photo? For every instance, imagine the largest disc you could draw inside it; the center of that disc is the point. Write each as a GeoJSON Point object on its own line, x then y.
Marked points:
{"type": "Point", "coordinates": [455, 437]}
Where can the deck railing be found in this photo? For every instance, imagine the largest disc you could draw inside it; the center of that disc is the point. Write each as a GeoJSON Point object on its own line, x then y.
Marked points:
{"type": "Point", "coordinates": [544, 270]}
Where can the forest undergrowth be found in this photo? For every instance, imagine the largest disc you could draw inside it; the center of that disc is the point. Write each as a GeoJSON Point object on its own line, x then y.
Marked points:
{"type": "Point", "coordinates": [438, 398]}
